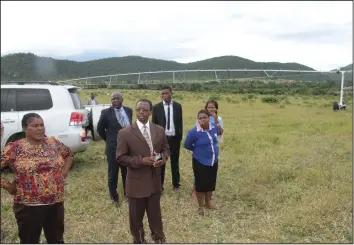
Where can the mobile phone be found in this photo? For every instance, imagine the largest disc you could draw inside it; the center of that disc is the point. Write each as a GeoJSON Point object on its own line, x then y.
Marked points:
{"type": "Point", "coordinates": [157, 157]}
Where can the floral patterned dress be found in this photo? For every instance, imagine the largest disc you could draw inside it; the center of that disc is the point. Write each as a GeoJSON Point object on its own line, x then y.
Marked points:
{"type": "Point", "coordinates": [38, 170]}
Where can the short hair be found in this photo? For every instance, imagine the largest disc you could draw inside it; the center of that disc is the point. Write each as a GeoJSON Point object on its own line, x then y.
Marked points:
{"type": "Point", "coordinates": [167, 87]}
{"type": "Point", "coordinates": [116, 93]}
{"type": "Point", "coordinates": [145, 101]}
{"type": "Point", "coordinates": [27, 118]}
{"type": "Point", "coordinates": [203, 111]}
{"type": "Point", "coordinates": [212, 102]}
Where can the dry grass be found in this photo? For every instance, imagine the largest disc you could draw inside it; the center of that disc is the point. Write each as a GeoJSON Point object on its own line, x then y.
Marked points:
{"type": "Point", "coordinates": [285, 176]}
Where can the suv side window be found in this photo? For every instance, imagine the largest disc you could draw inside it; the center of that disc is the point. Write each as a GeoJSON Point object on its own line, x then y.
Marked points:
{"type": "Point", "coordinates": [33, 99]}
{"type": "Point", "coordinates": [4, 93]}
{"type": "Point", "coordinates": [8, 100]}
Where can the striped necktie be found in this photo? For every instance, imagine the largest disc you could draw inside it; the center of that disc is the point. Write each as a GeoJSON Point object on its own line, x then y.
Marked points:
{"type": "Point", "coordinates": [147, 138]}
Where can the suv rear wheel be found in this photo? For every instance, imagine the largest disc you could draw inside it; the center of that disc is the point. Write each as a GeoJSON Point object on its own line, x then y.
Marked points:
{"type": "Point", "coordinates": [16, 137]}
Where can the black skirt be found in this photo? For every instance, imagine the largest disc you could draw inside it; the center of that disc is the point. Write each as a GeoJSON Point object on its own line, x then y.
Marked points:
{"type": "Point", "coordinates": [205, 176]}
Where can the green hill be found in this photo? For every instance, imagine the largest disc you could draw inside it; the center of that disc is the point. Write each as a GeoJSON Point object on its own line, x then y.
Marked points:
{"type": "Point", "coordinates": [27, 66]}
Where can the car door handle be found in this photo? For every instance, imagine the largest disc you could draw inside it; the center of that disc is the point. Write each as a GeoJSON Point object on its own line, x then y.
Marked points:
{"type": "Point", "coordinates": [8, 121]}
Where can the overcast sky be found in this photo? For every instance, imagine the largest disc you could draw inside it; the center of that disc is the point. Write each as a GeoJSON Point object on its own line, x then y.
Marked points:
{"type": "Point", "coordinates": [316, 34]}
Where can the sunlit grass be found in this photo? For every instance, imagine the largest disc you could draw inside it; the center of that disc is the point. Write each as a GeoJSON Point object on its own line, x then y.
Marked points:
{"type": "Point", "coordinates": [285, 176]}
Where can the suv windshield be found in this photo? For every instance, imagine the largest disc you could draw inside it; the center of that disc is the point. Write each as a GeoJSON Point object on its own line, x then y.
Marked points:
{"type": "Point", "coordinates": [76, 99]}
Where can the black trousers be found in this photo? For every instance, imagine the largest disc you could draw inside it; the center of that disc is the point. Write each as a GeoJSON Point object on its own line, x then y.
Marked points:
{"type": "Point", "coordinates": [113, 171]}
{"type": "Point", "coordinates": [137, 208]}
{"type": "Point", "coordinates": [175, 145]}
{"type": "Point", "coordinates": [31, 220]}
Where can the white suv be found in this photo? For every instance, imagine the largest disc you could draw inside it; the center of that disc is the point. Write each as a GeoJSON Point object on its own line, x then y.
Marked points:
{"type": "Point", "coordinates": [59, 106]}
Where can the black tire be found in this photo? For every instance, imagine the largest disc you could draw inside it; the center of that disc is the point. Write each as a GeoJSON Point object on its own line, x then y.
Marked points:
{"type": "Point", "coordinates": [90, 126]}
{"type": "Point", "coordinates": [16, 137]}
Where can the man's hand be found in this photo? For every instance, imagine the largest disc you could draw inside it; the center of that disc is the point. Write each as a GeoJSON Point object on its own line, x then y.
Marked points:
{"type": "Point", "coordinates": [159, 163]}
{"type": "Point", "coordinates": [148, 161]}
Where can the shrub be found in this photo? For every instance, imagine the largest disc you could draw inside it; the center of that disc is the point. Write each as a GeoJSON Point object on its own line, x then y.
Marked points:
{"type": "Point", "coordinates": [270, 99]}
{"type": "Point", "coordinates": [283, 97]}
{"type": "Point", "coordinates": [178, 96]}
{"type": "Point", "coordinates": [214, 97]}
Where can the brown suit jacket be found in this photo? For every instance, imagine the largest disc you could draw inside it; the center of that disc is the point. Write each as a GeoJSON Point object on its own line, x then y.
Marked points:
{"type": "Point", "coordinates": [142, 180]}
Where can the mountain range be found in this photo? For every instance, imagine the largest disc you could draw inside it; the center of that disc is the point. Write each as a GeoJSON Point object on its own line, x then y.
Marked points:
{"type": "Point", "coordinates": [28, 66]}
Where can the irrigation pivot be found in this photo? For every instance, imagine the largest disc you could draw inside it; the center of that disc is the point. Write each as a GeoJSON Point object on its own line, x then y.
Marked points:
{"type": "Point", "coordinates": [177, 73]}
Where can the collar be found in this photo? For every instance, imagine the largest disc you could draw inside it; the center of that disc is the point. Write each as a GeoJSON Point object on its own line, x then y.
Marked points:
{"type": "Point", "coordinates": [120, 109]}
{"type": "Point", "coordinates": [141, 126]}
{"type": "Point", "coordinates": [200, 129]}
{"type": "Point", "coordinates": [164, 103]}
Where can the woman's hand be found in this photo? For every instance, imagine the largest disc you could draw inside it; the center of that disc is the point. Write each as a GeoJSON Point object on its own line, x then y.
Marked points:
{"type": "Point", "coordinates": [10, 187]}
{"type": "Point", "coordinates": [215, 116]}
{"type": "Point", "coordinates": [67, 166]}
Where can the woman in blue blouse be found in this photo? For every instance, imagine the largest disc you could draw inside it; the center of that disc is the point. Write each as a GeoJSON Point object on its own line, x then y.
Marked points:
{"type": "Point", "coordinates": [212, 107]}
{"type": "Point", "coordinates": [202, 141]}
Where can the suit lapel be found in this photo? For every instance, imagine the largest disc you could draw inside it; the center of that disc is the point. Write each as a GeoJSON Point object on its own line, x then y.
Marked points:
{"type": "Point", "coordinates": [113, 114]}
{"type": "Point", "coordinates": [153, 134]}
{"type": "Point", "coordinates": [128, 114]}
{"type": "Point", "coordinates": [174, 113]}
{"type": "Point", "coordinates": [162, 109]}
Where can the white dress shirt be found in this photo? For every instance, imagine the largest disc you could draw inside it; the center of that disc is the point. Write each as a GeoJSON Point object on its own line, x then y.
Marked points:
{"type": "Point", "coordinates": [172, 131]}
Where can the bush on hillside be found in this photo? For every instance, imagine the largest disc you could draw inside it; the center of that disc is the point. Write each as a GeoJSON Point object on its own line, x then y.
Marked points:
{"type": "Point", "coordinates": [215, 97]}
{"type": "Point", "coordinates": [270, 99]}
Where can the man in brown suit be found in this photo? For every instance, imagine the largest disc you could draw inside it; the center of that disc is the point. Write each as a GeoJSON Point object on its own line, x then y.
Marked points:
{"type": "Point", "coordinates": [138, 148]}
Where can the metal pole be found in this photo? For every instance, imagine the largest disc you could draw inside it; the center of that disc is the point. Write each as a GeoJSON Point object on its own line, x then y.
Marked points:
{"type": "Point", "coordinates": [173, 77]}
{"type": "Point", "coordinates": [341, 89]}
{"type": "Point", "coordinates": [139, 79]}
{"type": "Point", "coordinates": [216, 76]}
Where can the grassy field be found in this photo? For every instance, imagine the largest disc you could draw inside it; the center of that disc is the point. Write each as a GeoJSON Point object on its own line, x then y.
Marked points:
{"type": "Point", "coordinates": [285, 176]}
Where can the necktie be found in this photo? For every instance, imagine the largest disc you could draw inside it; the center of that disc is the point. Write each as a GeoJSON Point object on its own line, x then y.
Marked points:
{"type": "Point", "coordinates": [147, 138]}
{"type": "Point", "coordinates": [121, 119]}
{"type": "Point", "coordinates": [168, 116]}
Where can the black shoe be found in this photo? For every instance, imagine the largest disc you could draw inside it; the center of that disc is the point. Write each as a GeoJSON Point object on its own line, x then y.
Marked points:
{"type": "Point", "coordinates": [116, 203]}
{"type": "Point", "coordinates": [115, 200]}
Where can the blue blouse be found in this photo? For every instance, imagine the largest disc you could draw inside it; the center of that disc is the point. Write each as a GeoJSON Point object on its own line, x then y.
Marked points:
{"type": "Point", "coordinates": [203, 144]}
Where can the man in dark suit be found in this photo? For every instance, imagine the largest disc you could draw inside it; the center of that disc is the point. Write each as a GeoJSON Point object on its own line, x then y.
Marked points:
{"type": "Point", "coordinates": [112, 120]}
{"type": "Point", "coordinates": [138, 148]}
{"type": "Point", "coordinates": [168, 114]}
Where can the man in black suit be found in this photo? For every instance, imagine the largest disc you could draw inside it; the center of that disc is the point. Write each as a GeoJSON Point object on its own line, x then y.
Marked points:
{"type": "Point", "coordinates": [111, 121]}
{"type": "Point", "coordinates": [168, 114]}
